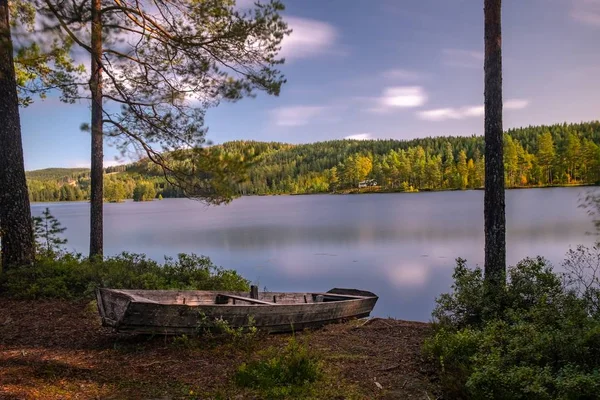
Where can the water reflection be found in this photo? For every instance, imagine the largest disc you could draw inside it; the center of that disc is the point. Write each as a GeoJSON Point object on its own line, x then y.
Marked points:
{"type": "Point", "coordinates": [400, 246]}
{"type": "Point", "coordinates": [408, 275]}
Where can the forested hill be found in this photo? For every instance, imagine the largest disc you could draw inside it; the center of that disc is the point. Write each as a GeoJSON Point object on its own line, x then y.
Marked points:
{"type": "Point", "coordinates": [534, 156]}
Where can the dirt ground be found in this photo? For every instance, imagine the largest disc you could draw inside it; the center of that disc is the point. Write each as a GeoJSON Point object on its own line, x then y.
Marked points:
{"type": "Point", "coordinates": [58, 350]}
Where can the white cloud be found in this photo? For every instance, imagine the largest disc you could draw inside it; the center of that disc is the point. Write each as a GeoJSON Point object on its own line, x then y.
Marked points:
{"type": "Point", "coordinates": [586, 12]}
{"type": "Point", "coordinates": [515, 104]}
{"type": "Point", "coordinates": [359, 136]}
{"type": "Point", "coordinates": [296, 115]}
{"type": "Point", "coordinates": [442, 114]}
{"type": "Point", "coordinates": [473, 111]}
{"type": "Point", "coordinates": [402, 74]}
{"type": "Point", "coordinates": [463, 58]}
{"type": "Point", "coordinates": [409, 96]}
{"type": "Point", "coordinates": [399, 97]}
{"type": "Point", "coordinates": [438, 114]}
{"type": "Point", "coordinates": [309, 38]}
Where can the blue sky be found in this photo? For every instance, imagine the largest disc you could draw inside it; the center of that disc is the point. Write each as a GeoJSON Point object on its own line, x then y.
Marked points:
{"type": "Point", "coordinates": [386, 69]}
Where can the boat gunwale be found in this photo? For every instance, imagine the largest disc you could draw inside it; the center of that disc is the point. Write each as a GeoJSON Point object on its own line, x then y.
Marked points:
{"type": "Point", "coordinates": [143, 300]}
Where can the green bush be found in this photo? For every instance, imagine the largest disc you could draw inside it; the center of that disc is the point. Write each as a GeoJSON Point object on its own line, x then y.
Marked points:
{"type": "Point", "coordinates": [71, 276]}
{"type": "Point", "coordinates": [544, 343]}
{"type": "Point", "coordinates": [283, 373]}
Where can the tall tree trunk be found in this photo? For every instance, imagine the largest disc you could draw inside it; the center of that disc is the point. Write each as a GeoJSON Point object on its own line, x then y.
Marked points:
{"type": "Point", "coordinates": [96, 195]}
{"type": "Point", "coordinates": [15, 213]}
{"type": "Point", "coordinates": [494, 214]}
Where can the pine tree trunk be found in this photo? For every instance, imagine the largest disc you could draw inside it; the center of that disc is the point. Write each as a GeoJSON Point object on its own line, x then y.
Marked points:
{"type": "Point", "coordinates": [495, 220]}
{"type": "Point", "coordinates": [96, 194]}
{"type": "Point", "coordinates": [15, 212]}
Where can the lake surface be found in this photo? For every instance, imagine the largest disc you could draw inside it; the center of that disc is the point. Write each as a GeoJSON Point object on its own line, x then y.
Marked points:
{"type": "Point", "coordinates": [400, 246]}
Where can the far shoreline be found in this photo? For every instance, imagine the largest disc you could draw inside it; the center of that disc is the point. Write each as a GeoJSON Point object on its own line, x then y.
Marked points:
{"type": "Point", "coordinates": [345, 192]}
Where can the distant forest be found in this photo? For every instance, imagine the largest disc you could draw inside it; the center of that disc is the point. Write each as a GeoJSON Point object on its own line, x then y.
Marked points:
{"type": "Point", "coordinates": [562, 154]}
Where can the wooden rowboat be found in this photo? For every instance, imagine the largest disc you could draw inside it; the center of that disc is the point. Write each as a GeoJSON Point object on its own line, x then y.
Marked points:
{"type": "Point", "coordinates": [174, 312]}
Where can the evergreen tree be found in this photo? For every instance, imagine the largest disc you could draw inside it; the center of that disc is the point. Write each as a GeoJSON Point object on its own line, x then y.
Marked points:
{"type": "Point", "coordinates": [573, 157]}
{"type": "Point", "coordinates": [591, 165]}
{"type": "Point", "coordinates": [449, 167]}
{"type": "Point", "coordinates": [47, 231]}
{"type": "Point", "coordinates": [418, 161]}
{"type": "Point", "coordinates": [546, 156]}
{"type": "Point", "coordinates": [433, 172]}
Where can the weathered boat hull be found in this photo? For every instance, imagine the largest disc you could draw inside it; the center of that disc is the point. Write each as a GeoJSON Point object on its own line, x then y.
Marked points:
{"type": "Point", "coordinates": [187, 312]}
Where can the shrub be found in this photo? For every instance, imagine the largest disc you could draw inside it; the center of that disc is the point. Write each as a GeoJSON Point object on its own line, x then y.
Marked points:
{"type": "Point", "coordinates": [71, 276]}
{"type": "Point", "coordinates": [452, 352]}
{"type": "Point", "coordinates": [544, 343]}
{"type": "Point", "coordinates": [62, 277]}
{"type": "Point", "coordinates": [464, 306]}
{"type": "Point", "coordinates": [283, 373]}
{"type": "Point", "coordinates": [190, 271]}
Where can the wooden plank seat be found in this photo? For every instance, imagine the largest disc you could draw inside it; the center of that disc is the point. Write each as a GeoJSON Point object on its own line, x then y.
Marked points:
{"type": "Point", "coordinates": [222, 299]}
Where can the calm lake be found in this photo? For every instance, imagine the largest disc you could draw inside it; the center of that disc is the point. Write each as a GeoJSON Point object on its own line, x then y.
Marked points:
{"type": "Point", "coordinates": [400, 246]}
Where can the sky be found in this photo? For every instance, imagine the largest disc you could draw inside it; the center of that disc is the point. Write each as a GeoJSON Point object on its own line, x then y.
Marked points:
{"type": "Point", "coordinates": [382, 69]}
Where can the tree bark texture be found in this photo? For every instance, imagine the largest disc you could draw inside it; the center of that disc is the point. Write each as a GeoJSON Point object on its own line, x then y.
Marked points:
{"type": "Point", "coordinates": [15, 212]}
{"type": "Point", "coordinates": [494, 203]}
{"type": "Point", "coordinates": [96, 194]}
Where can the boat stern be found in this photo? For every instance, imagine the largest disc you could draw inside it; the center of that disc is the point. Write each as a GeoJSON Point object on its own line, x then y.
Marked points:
{"type": "Point", "coordinates": [111, 306]}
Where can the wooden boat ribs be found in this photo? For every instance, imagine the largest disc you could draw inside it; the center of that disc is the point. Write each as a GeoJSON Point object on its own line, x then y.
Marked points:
{"type": "Point", "coordinates": [184, 312]}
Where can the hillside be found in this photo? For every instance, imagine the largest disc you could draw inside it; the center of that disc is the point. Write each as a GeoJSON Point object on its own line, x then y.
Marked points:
{"type": "Point", "coordinates": [57, 174]}
{"type": "Point", "coordinates": [562, 154]}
